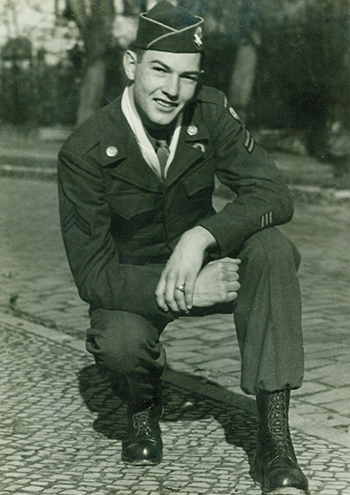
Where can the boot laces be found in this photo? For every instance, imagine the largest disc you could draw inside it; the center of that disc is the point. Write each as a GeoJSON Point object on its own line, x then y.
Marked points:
{"type": "Point", "coordinates": [141, 422]}
{"type": "Point", "coordinates": [278, 424]}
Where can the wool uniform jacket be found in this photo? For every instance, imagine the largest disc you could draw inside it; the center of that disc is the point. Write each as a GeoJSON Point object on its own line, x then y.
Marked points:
{"type": "Point", "coordinates": [120, 222]}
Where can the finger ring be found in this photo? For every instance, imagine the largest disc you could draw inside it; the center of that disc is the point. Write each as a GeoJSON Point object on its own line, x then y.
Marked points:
{"type": "Point", "coordinates": [180, 287]}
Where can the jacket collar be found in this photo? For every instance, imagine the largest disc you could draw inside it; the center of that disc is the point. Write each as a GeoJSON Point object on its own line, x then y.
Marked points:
{"type": "Point", "coordinates": [120, 152]}
{"type": "Point", "coordinates": [191, 146]}
{"type": "Point", "coordinates": [119, 149]}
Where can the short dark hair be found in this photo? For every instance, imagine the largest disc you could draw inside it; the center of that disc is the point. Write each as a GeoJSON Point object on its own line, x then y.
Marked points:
{"type": "Point", "coordinates": [138, 51]}
{"type": "Point", "coordinates": [139, 54]}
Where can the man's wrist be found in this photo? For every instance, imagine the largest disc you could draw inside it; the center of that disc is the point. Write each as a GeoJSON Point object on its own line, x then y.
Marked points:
{"type": "Point", "coordinates": [204, 239]}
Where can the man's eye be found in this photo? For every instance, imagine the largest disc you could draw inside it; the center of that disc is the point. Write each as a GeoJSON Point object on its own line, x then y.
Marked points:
{"type": "Point", "coordinates": [159, 69]}
{"type": "Point", "coordinates": [190, 78]}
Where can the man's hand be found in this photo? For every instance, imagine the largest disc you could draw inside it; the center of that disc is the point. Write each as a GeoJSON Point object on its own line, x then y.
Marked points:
{"type": "Point", "coordinates": [182, 270]}
{"type": "Point", "coordinates": [217, 283]}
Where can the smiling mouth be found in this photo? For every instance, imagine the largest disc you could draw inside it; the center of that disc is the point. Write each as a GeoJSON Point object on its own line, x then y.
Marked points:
{"type": "Point", "coordinates": [169, 105]}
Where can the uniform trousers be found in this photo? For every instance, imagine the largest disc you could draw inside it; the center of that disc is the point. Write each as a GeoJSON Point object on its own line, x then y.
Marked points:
{"type": "Point", "coordinates": [267, 317]}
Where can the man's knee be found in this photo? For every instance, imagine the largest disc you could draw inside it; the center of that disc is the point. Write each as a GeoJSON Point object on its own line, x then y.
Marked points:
{"type": "Point", "coordinates": [122, 341]}
{"type": "Point", "coordinates": [270, 245]}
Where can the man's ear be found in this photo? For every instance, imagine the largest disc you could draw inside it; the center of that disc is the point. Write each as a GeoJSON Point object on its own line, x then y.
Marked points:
{"type": "Point", "coordinates": [130, 62]}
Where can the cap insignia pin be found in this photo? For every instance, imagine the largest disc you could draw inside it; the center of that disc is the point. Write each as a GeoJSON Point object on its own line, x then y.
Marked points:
{"type": "Point", "coordinates": [198, 37]}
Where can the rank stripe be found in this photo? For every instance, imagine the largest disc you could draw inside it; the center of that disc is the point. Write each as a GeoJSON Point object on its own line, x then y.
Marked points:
{"type": "Point", "coordinates": [75, 219]}
{"type": "Point", "coordinates": [266, 220]}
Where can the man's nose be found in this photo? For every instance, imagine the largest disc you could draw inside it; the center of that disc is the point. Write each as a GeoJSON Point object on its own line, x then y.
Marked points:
{"type": "Point", "coordinates": [171, 86]}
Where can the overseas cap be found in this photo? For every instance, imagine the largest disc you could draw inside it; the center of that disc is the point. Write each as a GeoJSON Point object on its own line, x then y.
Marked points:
{"type": "Point", "coordinates": [167, 28]}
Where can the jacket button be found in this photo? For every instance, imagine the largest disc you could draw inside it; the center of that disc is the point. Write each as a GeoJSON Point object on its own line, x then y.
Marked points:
{"type": "Point", "coordinates": [111, 151]}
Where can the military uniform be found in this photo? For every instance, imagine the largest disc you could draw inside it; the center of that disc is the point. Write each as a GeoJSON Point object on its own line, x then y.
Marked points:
{"type": "Point", "coordinates": [122, 215]}
{"type": "Point", "coordinates": [120, 223]}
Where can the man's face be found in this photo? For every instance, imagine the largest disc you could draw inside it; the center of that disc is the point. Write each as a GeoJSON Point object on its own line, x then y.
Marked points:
{"type": "Point", "coordinates": [164, 83]}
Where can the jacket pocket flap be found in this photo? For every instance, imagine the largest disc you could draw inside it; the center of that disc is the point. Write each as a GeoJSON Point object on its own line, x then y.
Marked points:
{"type": "Point", "coordinates": [130, 204]}
{"type": "Point", "coordinates": [200, 179]}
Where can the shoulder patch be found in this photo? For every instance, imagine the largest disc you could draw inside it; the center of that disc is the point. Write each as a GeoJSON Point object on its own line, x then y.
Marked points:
{"type": "Point", "coordinates": [249, 142]}
{"type": "Point", "coordinates": [234, 113]}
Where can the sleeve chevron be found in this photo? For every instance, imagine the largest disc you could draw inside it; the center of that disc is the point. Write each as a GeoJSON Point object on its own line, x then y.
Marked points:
{"type": "Point", "coordinates": [74, 218]}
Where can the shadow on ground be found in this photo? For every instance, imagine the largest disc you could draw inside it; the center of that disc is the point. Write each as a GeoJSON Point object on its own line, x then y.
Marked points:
{"type": "Point", "coordinates": [240, 427]}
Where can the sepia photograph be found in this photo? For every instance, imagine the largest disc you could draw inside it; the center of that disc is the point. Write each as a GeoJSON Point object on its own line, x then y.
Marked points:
{"type": "Point", "coordinates": [174, 247]}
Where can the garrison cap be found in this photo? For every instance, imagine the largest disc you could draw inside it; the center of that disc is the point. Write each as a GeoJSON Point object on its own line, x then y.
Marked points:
{"type": "Point", "coordinates": [167, 28]}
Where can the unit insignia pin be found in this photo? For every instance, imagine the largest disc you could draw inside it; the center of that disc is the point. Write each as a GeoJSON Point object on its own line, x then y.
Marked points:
{"type": "Point", "coordinates": [200, 147]}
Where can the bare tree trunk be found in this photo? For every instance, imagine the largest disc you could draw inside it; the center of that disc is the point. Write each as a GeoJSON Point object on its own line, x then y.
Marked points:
{"type": "Point", "coordinates": [244, 71]}
{"type": "Point", "coordinates": [337, 54]}
{"type": "Point", "coordinates": [92, 89]}
{"type": "Point", "coordinates": [243, 75]}
{"type": "Point", "coordinates": [95, 21]}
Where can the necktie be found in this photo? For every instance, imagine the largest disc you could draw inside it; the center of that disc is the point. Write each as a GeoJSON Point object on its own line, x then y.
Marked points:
{"type": "Point", "coordinates": [163, 153]}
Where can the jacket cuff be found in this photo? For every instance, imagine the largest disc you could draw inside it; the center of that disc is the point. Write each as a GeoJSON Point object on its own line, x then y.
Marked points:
{"type": "Point", "coordinates": [229, 239]}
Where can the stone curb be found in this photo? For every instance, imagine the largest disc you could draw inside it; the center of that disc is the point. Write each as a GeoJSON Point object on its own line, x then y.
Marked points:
{"type": "Point", "coordinates": [7, 170]}
{"type": "Point", "coordinates": [328, 194]}
{"type": "Point", "coordinates": [191, 383]}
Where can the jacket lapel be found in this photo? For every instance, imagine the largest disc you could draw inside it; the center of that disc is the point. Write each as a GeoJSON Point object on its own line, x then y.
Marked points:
{"type": "Point", "coordinates": [193, 143]}
{"type": "Point", "coordinates": [119, 151]}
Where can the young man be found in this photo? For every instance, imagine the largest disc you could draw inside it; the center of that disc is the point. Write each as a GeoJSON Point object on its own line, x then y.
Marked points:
{"type": "Point", "coordinates": [146, 246]}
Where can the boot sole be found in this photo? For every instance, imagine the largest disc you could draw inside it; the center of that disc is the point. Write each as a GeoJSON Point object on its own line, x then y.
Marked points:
{"type": "Point", "coordinates": [258, 477]}
{"type": "Point", "coordinates": [143, 462]}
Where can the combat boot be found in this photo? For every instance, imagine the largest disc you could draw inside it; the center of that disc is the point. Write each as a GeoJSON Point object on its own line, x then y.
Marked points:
{"type": "Point", "coordinates": [275, 464]}
{"type": "Point", "coordinates": [143, 441]}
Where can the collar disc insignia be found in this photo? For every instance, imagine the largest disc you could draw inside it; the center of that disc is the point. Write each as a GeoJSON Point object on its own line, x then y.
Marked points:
{"type": "Point", "coordinates": [192, 130]}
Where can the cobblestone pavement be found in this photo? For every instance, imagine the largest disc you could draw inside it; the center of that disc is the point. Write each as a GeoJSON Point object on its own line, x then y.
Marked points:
{"type": "Point", "coordinates": [60, 427]}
